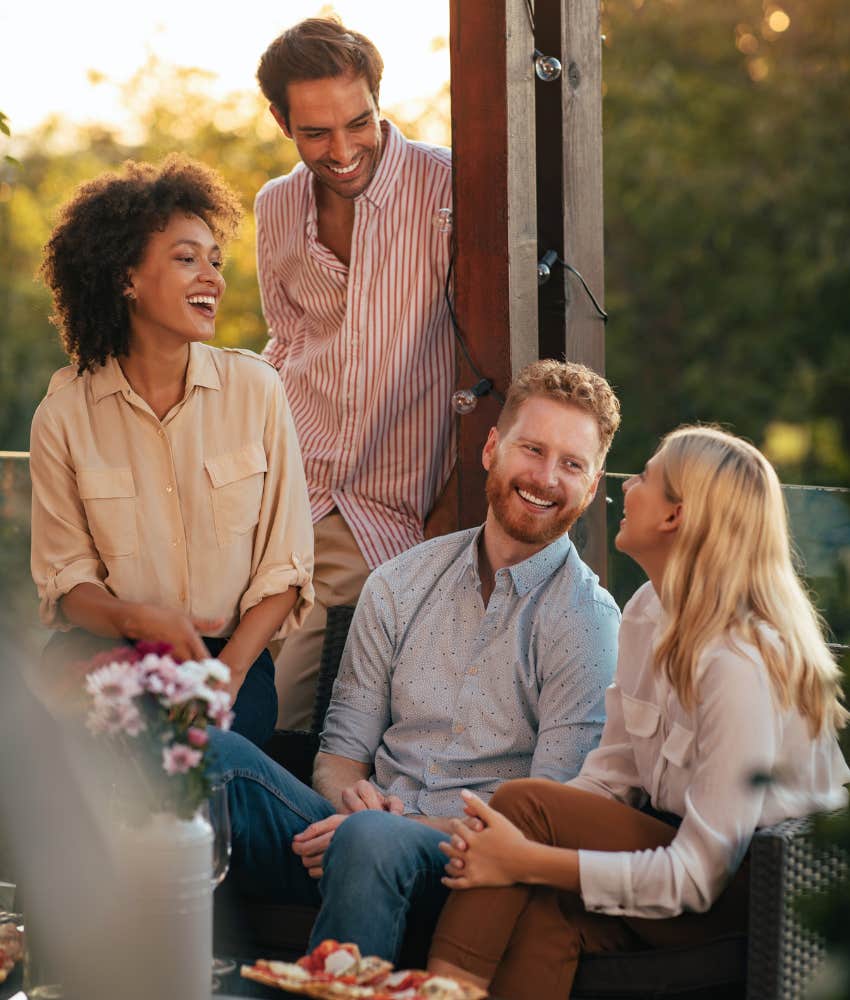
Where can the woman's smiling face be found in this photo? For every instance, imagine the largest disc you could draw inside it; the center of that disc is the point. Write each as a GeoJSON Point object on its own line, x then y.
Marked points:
{"type": "Point", "coordinates": [176, 288]}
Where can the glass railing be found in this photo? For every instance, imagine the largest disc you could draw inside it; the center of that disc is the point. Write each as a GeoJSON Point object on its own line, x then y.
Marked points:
{"type": "Point", "coordinates": [820, 524]}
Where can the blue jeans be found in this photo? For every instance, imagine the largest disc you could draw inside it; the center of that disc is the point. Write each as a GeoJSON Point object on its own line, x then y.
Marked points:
{"type": "Point", "coordinates": [376, 867]}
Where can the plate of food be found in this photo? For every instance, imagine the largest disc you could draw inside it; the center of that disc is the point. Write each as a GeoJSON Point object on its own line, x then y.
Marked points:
{"type": "Point", "coordinates": [335, 971]}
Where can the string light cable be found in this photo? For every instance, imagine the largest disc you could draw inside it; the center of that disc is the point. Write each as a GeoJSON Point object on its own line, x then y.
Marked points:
{"type": "Point", "coordinates": [465, 400]}
{"type": "Point", "coordinates": [544, 272]}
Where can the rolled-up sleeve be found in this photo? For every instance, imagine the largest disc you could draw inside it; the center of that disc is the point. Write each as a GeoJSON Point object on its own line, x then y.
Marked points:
{"type": "Point", "coordinates": [359, 712]}
{"type": "Point", "coordinates": [63, 553]}
{"type": "Point", "coordinates": [283, 544]}
{"type": "Point", "coordinates": [579, 667]}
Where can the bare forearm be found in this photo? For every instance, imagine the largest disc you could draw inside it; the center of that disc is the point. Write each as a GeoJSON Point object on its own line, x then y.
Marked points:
{"type": "Point", "coordinates": [332, 774]}
{"type": "Point", "coordinates": [540, 864]}
{"type": "Point", "coordinates": [253, 632]}
{"type": "Point", "coordinates": [97, 611]}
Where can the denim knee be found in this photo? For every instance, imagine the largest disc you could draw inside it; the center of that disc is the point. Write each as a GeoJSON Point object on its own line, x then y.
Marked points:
{"type": "Point", "coordinates": [364, 837]}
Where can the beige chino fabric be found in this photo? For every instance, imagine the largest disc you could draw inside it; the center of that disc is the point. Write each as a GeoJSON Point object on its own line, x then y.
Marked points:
{"type": "Point", "coordinates": [205, 511]}
{"type": "Point", "coordinates": [338, 578]}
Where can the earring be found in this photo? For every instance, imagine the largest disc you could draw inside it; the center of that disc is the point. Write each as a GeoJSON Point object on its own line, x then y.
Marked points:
{"type": "Point", "coordinates": [130, 294]}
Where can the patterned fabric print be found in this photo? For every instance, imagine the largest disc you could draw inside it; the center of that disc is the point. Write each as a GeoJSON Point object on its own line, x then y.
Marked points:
{"type": "Point", "coordinates": [444, 694]}
{"type": "Point", "coordinates": [365, 352]}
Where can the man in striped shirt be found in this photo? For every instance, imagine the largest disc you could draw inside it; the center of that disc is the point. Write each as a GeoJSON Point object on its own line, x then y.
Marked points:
{"type": "Point", "coordinates": [352, 255]}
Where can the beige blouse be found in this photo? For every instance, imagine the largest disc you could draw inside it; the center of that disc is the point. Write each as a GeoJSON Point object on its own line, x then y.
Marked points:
{"type": "Point", "coordinates": [205, 511]}
{"type": "Point", "coordinates": [698, 764]}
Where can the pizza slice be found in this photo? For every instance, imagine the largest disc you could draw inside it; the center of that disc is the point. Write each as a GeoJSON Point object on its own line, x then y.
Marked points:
{"type": "Point", "coordinates": [335, 971]}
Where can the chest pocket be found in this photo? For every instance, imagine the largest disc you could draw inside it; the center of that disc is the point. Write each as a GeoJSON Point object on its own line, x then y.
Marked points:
{"type": "Point", "coordinates": [109, 498]}
{"type": "Point", "coordinates": [237, 480]}
{"type": "Point", "coordinates": [640, 717]}
{"type": "Point", "coordinates": [677, 746]}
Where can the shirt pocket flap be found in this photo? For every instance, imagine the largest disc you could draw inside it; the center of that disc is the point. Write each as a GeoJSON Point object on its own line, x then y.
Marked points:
{"type": "Point", "coordinates": [640, 717]}
{"type": "Point", "coordinates": [236, 465]}
{"type": "Point", "coordinates": [105, 483]}
{"type": "Point", "coordinates": [677, 746]}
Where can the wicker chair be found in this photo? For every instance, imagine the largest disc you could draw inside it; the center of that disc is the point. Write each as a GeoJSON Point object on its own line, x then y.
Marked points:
{"type": "Point", "coordinates": [773, 962]}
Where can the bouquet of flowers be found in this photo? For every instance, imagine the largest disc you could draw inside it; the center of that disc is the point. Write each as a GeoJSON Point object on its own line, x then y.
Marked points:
{"type": "Point", "coordinates": [157, 710]}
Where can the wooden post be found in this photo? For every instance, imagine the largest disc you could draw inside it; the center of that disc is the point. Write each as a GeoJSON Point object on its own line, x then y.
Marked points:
{"type": "Point", "coordinates": [570, 211]}
{"type": "Point", "coordinates": [493, 143]}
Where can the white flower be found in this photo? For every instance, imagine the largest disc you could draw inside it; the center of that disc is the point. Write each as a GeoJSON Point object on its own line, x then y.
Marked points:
{"type": "Point", "coordinates": [114, 682]}
{"type": "Point", "coordinates": [216, 670]}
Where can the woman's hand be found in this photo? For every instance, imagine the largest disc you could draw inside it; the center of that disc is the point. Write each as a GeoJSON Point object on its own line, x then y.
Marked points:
{"type": "Point", "coordinates": [183, 634]}
{"type": "Point", "coordinates": [486, 849]}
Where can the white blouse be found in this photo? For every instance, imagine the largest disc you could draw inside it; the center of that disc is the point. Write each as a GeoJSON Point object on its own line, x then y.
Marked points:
{"type": "Point", "coordinates": [698, 764]}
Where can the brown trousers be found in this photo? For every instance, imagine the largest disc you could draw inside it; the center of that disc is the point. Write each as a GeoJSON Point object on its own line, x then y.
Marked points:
{"type": "Point", "coordinates": [338, 578]}
{"type": "Point", "coordinates": [527, 940]}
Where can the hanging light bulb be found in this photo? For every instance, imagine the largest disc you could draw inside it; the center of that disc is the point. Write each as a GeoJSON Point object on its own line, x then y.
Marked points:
{"type": "Point", "coordinates": [442, 220]}
{"type": "Point", "coordinates": [547, 68]}
{"type": "Point", "coordinates": [465, 400]}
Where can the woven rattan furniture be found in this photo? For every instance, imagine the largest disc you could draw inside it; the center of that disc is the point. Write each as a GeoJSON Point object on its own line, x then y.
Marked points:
{"type": "Point", "coordinates": [773, 962]}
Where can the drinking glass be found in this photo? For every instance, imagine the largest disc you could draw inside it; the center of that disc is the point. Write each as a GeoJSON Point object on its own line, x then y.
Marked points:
{"type": "Point", "coordinates": [219, 816]}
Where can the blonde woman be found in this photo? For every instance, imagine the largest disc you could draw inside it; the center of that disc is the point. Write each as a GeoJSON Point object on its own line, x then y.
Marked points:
{"type": "Point", "coordinates": [723, 674]}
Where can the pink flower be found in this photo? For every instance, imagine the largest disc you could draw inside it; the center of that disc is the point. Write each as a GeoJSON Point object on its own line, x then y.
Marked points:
{"type": "Point", "coordinates": [178, 758]}
{"type": "Point", "coordinates": [117, 681]}
{"type": "Point", "coordinates": [197, 737]}
{"type": "Point", "coordinates": [114, 718]}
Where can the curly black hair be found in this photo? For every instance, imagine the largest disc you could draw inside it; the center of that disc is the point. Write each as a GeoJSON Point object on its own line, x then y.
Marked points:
{"type": "Point", "coordinates": [103, 232]}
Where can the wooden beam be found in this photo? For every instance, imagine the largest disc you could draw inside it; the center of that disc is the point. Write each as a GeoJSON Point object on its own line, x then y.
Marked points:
{"type": "Point", "coordinates": [569, 212]}
{"type": "Point", "coordinates": [493, 143]}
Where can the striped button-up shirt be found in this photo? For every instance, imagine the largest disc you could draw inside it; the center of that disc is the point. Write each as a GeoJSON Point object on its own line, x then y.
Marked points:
{"type": "Point", "coordinates": [441, 693]}
{"type": "Point", "coordinates": [365, 351]}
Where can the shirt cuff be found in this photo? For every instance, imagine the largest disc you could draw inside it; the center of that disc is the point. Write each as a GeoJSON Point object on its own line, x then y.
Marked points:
{"type": "Point", "coordinates": [61, 582]}
{"type": "Point", "coordinates": [605, 882]}
{"type": "Point", "coordinates": [278, 581]}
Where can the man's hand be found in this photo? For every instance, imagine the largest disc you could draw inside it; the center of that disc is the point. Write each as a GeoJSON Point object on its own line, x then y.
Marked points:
{"type": "Point", "coordinates": [310, 845]}
{"type": "Point", "coordinates": [364, 795]}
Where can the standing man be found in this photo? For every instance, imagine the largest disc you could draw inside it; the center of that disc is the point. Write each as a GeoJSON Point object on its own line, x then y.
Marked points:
{"type": "Point", "coordinates": [474, 658]}
{"type": "Point", "coordinates": [352, 260]}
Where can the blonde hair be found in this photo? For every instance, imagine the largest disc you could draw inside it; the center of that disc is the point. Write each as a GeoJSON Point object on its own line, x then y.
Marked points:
{"type": "Point", "coordinates": [565, 382]}
{"type": "Point", "coordinates": [731, 571]}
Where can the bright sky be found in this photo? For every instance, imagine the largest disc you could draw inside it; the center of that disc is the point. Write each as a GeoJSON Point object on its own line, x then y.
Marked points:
{"type": "Point", "coordinates": [47, 48]}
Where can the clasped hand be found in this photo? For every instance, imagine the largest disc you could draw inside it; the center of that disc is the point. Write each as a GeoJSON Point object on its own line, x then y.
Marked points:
{"type": "Point", "coordinates": [484, 849]}
{"type": "Point", "coordinates": [310, 845]}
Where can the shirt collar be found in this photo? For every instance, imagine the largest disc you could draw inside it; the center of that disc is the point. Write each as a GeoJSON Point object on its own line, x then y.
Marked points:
{"type": "Point", "coordinates": [109, 378]}
{"type": "Point", "coordinates": [202, 370]}
{"type": "Point", "coordinates": [529, 573]}
{"type": "Point", "coordinates": [389, 165]}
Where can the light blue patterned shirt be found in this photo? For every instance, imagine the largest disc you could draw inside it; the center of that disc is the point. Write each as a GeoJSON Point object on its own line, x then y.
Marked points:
{"type": "Point", "coordinates": [443, 694]}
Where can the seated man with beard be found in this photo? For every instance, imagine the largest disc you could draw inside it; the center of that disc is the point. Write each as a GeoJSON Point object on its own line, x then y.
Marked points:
{"type": "Point", "coordinates": [472, 658]}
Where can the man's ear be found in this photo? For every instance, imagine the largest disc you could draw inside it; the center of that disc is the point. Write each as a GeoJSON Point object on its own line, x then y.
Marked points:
{"type": "Point", "coordinates": [594, 486]}
{"type": "Point", "coordinates": [673, 520]}
{"type": "Point", "coordinates": [280, 118]}
{"type": "Point", "coordinates": [490, 448]}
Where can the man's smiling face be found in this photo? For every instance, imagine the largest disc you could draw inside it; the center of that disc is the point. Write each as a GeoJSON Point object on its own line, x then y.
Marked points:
{"type": "Point", "coordinates": [335, 124]}
{"type": "Point", "coordinates": [542, 470]}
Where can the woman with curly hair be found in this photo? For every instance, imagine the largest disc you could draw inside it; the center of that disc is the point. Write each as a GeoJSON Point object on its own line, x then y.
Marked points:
{"type": "Point", "coordinates": [169, 501]}
{"type": "Point", "coordinates": [723, 675]}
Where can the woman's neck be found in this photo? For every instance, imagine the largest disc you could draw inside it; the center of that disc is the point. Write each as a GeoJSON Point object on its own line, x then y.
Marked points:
{"type": "Point", "coordinates": [157, 375]}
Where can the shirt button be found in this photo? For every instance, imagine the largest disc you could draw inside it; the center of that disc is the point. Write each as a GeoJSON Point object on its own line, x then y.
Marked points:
{"type": "Point", "coordinates": [175, 541]}
{"type": "Point", "coordinates": [169, 488]}
{"type": "Point", "coordinates": [434, 769]}
{"type": "Point", "coordinates": [161, 432]}
{"type": "Point", "coordinates": [457, 728]}
{"type": "Point", "coordinates": [473, 671]}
